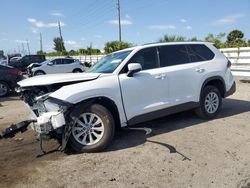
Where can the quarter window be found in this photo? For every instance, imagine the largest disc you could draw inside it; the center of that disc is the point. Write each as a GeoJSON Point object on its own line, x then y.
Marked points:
{"type": "Point", "coordinates": [199, 52]}
{"type": "Point", "coordinates": [173, 55]}
{"type": "Point", "coordinates": [147, 58]}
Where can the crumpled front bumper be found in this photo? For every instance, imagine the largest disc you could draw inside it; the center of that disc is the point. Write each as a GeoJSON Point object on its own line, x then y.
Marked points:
{"type": "Point", "coordinates": [49, 121]}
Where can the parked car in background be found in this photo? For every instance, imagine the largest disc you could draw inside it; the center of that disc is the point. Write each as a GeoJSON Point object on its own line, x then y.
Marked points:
{"type": "Point", "coordinates": [3, 62]}
{"type": "Point", "coordinates": [14, 59]}
{"type": "Point", "coordinates": [9, 77]}
{"type": "Point", "coordinates": [57, 65]}
{"type": "Point", "coordinates": [25, 61]}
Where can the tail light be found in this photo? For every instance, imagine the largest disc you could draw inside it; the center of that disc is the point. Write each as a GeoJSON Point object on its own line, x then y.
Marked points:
{"type": "Point", "coordinates": [229, 64]}
{"type": "Point", "coordinates": [15, 72]}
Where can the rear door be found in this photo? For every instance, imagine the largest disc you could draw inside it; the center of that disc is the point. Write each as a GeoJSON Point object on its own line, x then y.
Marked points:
{"type": "Point", "coordinates": [184, 72]}
{"type": "Point", "coordinates": [69, 65]}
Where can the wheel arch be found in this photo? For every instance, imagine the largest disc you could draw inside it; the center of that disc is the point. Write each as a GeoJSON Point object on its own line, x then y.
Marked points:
{"type": "Point", "coordinates": [216, 81]}
{"type": "Point", "coordinates": [77, 69]}
{"type": "Point", "coordinates": [39, 70]}
{"type": "Point", "coordinates": [107, 103]}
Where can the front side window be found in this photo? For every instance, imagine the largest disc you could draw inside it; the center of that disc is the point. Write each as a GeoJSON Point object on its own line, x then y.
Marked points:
{"type": "Point", "coordinates": [57, 61]}
{"type": "Point", "coordinates": [199, 52]}
{"type": "Point", "coordinates": [147, 58]}
{"type": "Point", "coordinates": [173, 55]}
{"type": "Point", "coordinates": [109, 63]}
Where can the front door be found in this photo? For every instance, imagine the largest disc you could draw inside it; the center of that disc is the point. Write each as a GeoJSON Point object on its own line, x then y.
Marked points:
{"type": "Point", "coordinates": [147, 90]}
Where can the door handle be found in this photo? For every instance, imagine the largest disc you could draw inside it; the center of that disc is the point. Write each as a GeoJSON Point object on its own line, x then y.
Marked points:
{"type": "Point", "coordinates": [200, 70]}
{"type": "Point", "coordinates": [160, 76]}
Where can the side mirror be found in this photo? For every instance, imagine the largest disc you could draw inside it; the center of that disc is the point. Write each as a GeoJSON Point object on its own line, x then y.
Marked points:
{"type": "Point", "coordinates": [133, 68]}
{"type": "Point", "coordinates": [50, 63]}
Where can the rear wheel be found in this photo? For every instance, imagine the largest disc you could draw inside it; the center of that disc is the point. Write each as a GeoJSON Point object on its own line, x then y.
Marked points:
{"type": "Point", "coordinates": [77, 70]}
{"type": "Point", "coordinates": [4, 89]}
{"type": "Point", "coordinates": [94, 129]}
{"type": "Point", "coordinates": [210, 103]}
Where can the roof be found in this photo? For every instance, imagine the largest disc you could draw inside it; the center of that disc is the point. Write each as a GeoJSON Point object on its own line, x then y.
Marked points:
{"type": "Point", "coordinates": [161, 44]}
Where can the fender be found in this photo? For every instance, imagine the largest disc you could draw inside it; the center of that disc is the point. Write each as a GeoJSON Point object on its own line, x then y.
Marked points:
{"type": "Point", "coordinates": [211, 79]}
{"type": "Point", "coordinates": [106, 86]}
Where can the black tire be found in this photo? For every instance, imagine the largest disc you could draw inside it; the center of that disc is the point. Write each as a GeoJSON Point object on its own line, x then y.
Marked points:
{"type": "Point", "coordinates": [77, 70]}
{"type": "Point", "coordinates": [202, 111]}
{"type": "Point", "coordinates": [4, 89]}
{"type": "Point", "coordinates": [109, 130]}
{"type": "Point", "coordinates": [37, 73]}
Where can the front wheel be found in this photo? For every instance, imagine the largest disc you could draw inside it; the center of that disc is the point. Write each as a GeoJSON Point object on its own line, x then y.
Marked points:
{"type": "Point", "coordinates": [210, 103]}
{"type": "Point", "coordinates": [38, 73]}
{"type": "Point", "coordinates": [94, 129]}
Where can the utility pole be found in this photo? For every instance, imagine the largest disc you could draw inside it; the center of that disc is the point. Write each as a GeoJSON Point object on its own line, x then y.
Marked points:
{"type": "Point", "coordinates": [23, 50]}
{"type": "Point", "coordinates": [119, 20]}
{"type": "Point", "coordinates": [28, 46]}
{"type": "Point", "coordinates": [41, 42]}
{"type": "Point", "coordinates": [60, 34]}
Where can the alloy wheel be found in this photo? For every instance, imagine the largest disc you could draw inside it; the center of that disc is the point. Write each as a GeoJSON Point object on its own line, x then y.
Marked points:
{"type": "Point", "coordinates": [211, 102]}
{"type": "Point", "coordinates": [89, 129]}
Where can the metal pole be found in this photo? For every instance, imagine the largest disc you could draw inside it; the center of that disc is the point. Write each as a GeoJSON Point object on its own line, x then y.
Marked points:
{"type": "Point", "coordinates": [119, 20]}
{"type": "Point", "coordinates": [41, 42]}
{"type": "Point", "coordinates": [28, 46]}
{"type": "Point", "coordinates": [60, 33]}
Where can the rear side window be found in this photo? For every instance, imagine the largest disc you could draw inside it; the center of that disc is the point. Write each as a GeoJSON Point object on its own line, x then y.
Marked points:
{"type": "Point", "coordinates": [147, 58]}
{"type": "Point", "coordinates": [68, 61]}
{"type": "Point", "coordinates": [173, 55]}
{"type": "Point", "coordinates": [199, 52]}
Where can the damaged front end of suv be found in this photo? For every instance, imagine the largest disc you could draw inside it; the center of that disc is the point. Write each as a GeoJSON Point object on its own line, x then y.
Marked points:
{"type": "Point", "coordinates": [51, 118]}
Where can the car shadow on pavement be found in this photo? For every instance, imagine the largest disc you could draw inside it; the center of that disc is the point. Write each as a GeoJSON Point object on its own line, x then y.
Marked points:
{"type": "Point", "coordinates": [11, 97]}
{"type": "Point", "coordinates": [136, 135]}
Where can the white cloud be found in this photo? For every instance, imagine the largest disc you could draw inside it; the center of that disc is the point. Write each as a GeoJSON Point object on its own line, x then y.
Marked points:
{"type": "Point", "coordinates": [162, 27]}
{"type": "Point", "coordinates": [183, 20]}
{"type": "Point", "coordinates": [21, 41]}
{"type": "Point", "coordinates": [70, 42]}
{"type": "Point", "coordinates": [123, 22]}
{"type": "Point", "coordinates": [34, 30]}
{"type": "Point", "coordinates": [56, 13]}
{"type": "Point", "coordinates": [41, 24]}
{"type": "Point", "coordinates": [127, 16]}
{"type": "Point", "coordinates": [98, 36]}
{"type": "Point", "coordinates": [228, 20]}
{"type": "Point", "coordinates": [188, 27]}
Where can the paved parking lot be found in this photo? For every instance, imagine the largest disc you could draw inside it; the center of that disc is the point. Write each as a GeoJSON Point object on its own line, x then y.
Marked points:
{"type": "Point", "coordinates": [181, 151]}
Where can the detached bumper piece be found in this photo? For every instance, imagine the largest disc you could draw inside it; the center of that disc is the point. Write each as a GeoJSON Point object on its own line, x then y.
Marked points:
{"type": "Point", "coordinates": [11, 131]}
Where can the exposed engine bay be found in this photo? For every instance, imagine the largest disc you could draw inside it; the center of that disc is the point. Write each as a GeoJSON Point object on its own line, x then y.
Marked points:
{"type": "Point", "coordinates": [49, 115]}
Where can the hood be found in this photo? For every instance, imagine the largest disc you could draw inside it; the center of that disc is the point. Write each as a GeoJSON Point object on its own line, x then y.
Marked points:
{"type": "Point", "coordinates": [57, 78]}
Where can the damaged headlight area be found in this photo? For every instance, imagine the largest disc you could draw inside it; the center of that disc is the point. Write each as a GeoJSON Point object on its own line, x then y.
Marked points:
{"type": "Point", "coordinates": [51, 116]}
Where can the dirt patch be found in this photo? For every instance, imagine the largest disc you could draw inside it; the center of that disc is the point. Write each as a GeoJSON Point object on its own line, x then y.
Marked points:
{"type": "Point", "coordinates": [181, 151]}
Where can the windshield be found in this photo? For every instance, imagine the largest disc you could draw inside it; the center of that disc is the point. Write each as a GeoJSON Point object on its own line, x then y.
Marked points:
{"type": "Point", "coordinates": [109, 63]}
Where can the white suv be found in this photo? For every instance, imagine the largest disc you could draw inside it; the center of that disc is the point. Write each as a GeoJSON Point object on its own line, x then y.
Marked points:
{"type": "Point", "coordinates": [128, 87]}
{"type": "Point", "coordinates": [58, 65]}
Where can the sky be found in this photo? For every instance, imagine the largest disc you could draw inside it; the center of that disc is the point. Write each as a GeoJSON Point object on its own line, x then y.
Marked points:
{"type": "Point", "coordinates": [95, 21]}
